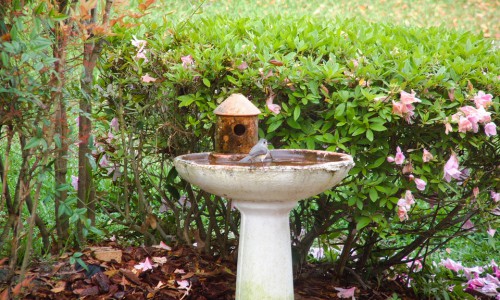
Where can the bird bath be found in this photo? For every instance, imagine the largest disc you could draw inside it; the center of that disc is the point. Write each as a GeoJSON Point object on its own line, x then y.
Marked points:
{"type": "Point", "coordinates": [264, 193]}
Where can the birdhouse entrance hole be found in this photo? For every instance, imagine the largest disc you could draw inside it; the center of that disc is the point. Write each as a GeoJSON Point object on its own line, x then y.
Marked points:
{"type": "Point", "coordinates": [239, 129]}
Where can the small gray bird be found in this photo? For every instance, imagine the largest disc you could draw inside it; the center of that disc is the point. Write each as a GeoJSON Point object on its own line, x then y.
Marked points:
{"type": "Point", "coordinates": [258, 152]}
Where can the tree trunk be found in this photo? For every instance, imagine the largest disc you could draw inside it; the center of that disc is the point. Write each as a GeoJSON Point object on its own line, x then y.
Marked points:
{"type": "Point", "coordinates": [61, 130]}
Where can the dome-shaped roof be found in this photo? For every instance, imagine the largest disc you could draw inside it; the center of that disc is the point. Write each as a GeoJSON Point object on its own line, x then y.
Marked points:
{"type": "Point", "coordinates": [237, 105]}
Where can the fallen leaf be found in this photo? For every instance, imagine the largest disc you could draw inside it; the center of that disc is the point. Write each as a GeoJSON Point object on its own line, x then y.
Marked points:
{"type": "Point", "coordinates": [276, 62]}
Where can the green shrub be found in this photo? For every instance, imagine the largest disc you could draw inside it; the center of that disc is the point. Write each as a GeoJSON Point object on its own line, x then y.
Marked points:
{"type": "Point", "coordinates": [337, 82]}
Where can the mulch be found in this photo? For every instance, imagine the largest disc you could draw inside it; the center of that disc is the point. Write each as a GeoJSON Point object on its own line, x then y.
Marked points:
{"type": "Point", "coordinates": [179, 273]}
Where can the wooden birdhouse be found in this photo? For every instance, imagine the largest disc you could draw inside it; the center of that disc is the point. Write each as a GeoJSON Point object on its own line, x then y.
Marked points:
{"type": "Point", "coordinates": [237, 125]}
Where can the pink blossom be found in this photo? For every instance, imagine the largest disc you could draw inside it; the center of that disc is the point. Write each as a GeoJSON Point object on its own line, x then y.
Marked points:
{"type": "Point", "coordinates": [398, 108]}
{"type": "Point", "coordinates": [490, 129]}
{"type": "Point", "coordinates": [77, 121]}
{"type": "Point", "coordinates": [482, 99]}
{"type": "Point", "coordinates": [146, 78]}
{"type": "Point", "coordinates": [408, 168]}
{"type": "Point", "coordinates": [390, 159]}
{"type": "Point", "coordinates": [111, 137]}
{"type": "Point", "coordinates": [473, 272]}
{"type": "Point", "coordinates": [165, 246]}
{"type": "Point", "coordinates": [103, 162]}
{"type": "Point", "coordinates": [144, 266]}
{"type": "Point", "coordinates": [114, 124]}
{"type": "Point", "coordinates": [407, 98]}
{"type": "Point", "coordinates": [404, 108]}
{"type": "Point", "coordinates": [468, 225]}
{"type": "Point", "coordinates": [495, 196]}
{"type": "Point", "coordinates": [491, 231]}
{"type": "Point", "coordinates": [402, 213]}
{"type": "Point", "coordinates": [346, 293]}
{"type": "Point", "coordinates": [452, 265]}
{"type": "Point", "coordinates": [139, 44]}
{"type": "Point", "coordinates": [448, 128]}
{"type": "Point", "coordinates": [451, 168]}
{"type": "Point", "coordinates": [272, 107]}
{"type": "Point", "coordinates": [400, 158]}
{"type": "Point", "coordinates": [464, 125]}
{"type": "Point", "coordinates": [427, 156]}
{"type": "Point", "coordinates": [416, 265]}
{"type": "Point", "coordinates": [420, 184]}
{"type": "Point", "coordinates": [187, 61]}
{"type": "Point", "coordinates": [242, 66]}
{"type": "Point", "coordinates": [475, 191]}
{"type": "Point", "coordinates": [74, 182]}
{"type": "Point", "coordinates": [183, 284]}
{"type": "Point", "coordinates": [142, 55]}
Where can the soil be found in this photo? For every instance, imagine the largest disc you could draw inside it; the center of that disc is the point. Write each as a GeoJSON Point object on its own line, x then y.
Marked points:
{"type": "Point", "coordinates": [179, 273]}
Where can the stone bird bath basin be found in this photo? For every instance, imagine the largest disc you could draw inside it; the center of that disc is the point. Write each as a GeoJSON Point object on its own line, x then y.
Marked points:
{"type": "Point", "coordinates": [265, 193]}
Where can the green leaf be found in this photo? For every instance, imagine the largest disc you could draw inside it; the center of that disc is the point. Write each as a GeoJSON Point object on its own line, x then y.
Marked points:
{"type": "Point", "coordinates": [206, 82]}
{"type": "Point", "coordinates": [358, 131]}
{"type": "Point", "coordinates": [33, 142]}
{"type": "Point", "coordinates": [362, 222]}
{"type": "Point", "coordinates": [296, 113]}
{"type": "Point", "coordinates": [369, 135]}
{"type": "Point", "coordinates": [275, 125]}
{"type": "Point", "coordinates": [377, 127]}
{"type": "Point", "coordinates": [373, 194]}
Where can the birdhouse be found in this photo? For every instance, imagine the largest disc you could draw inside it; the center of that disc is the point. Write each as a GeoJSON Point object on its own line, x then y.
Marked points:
{"type": "Point", "coordinates": [236, 129]}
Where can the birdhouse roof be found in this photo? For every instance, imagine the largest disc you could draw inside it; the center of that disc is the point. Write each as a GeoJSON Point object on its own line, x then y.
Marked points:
{"type": "Point", "coordinates": [237, 105]}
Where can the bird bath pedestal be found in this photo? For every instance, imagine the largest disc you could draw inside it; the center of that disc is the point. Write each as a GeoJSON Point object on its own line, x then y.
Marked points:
{"type": "Point", "coordinates": [265, 194]}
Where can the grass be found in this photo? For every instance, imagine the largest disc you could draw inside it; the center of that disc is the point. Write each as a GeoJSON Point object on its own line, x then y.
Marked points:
{"type": "Point", "coordinates": [478, 16]}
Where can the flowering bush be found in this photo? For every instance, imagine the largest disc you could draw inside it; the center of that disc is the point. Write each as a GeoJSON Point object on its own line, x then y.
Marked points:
{"type": "Point", "coordinates": [348, 86]}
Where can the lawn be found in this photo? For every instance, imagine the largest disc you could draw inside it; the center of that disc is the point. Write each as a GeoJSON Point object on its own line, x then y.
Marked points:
{"type": "Point", "coordinates": [474, 15]}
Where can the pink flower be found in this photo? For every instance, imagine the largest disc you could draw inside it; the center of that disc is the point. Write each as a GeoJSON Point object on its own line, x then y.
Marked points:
{"type": "Point", "coordinates": [114, 124]}
{"type": "Point", "coordinates": [146, 78]}
{"type": "Point", "coordinates": [448, 128]}
{"type": "Point", "coordinates": [139, 44]}
{"type": "Point", "coordinates": [165, 246]}
{"type": "Point", "coordinates": [427, 156]}
{"type": "Point", "coordinates": [452, 265]}
{"type": "Point", "coordinates": [183, 284]}
{"type": "Point", "coordinates": [482, 99]}
{"type": "Point", "coordinates": [242, 66]}
{"type": "Point", "coordinates": [475, 191]}
{"type": "Point", "coordinates": [111, 137]}
{"type": "Point", "coordinates": [103, 162]}
{"type": "Point", "coordinates": [398, 108]}
{"type": "Point", "coordinates": [144, 266]}
{"type": "Point", "coordinates": [468, 225]}
{"type": "Point", "coordinates": [473, 272]}
{"type": "Point", "coordinates": [464, 125]}
{"type": "Point", "coordinates": [420, 184]}
{"type": "Point", "coordinates": [346, 293]}
{"type": "Point", "coordinates": [404, 108]}
{"type": "Point", "coordinates": [407, 98]}
{"type": "Point", "coordinates": [451, 168]}
{"type": "Point", "coordinates": [142, 55]}
{"type": "Point", "coordinates": [491, 231]}
{"type": "Point", "coordinates": [272, 107]}
{"type": "Point", "coordinates": [490, 129]}
{"type": "Point", "coordinates": [187, 61]}
{"type": "Point", "coordinates": [390, 159]}
{"type": "Point", "coordinates": [402, 213]}
{"type": "Point", "coordinates": [404, 205]}
{"type": "Point", "coordinates": [408, 168]}
{"type": "Point", "coordinates": [400, 158]}
{"type": "Point", "coordinates": [74, 182]}
{"type": "Point", "coordinates": [417, 265]}
{"type": "Point", "coordinates": [495, 196]}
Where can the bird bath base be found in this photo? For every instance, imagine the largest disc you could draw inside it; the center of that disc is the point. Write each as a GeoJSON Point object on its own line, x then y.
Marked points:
{"type": "Point", "coordinates": [264, 194]}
